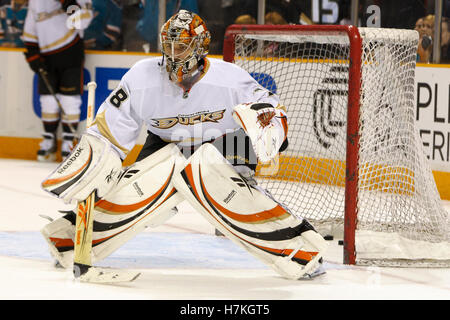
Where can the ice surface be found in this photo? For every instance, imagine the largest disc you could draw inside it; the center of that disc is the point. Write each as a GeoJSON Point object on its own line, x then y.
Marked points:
{"type": "Point", "coordinates": [182, 259]}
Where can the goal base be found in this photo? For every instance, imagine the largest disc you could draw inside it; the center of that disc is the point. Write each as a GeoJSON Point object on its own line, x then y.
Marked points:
{"type": "Point", "coordinates": [394, 250]}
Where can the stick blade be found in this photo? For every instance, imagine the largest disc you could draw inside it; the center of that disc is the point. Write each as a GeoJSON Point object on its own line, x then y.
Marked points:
{"type": "Point", "coordinates": [103, 275]}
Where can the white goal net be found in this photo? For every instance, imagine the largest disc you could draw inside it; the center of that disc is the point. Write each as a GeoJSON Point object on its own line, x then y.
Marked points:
{"type": "Point", "coordinates": [394, 204]}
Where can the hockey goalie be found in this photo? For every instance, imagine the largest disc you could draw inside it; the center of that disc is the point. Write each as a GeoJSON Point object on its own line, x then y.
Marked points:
{"type": "Point", "coordinates": [209, 123]}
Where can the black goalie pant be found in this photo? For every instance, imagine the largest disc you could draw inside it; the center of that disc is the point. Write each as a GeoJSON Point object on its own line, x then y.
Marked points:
{"type": "Point", "coordinates": [235, 147]}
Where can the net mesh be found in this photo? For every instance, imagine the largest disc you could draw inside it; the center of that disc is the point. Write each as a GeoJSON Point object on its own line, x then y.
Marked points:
{"type": "Point", "coordinates": [400, 218]}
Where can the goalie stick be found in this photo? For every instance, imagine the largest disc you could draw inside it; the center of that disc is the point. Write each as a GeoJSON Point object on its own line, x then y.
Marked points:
{"type": "Point", "coordinates": [82, 264]}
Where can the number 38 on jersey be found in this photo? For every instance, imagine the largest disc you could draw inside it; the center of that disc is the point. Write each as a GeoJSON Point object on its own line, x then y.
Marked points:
{"type": "Point", "coordinates": [117, 97]}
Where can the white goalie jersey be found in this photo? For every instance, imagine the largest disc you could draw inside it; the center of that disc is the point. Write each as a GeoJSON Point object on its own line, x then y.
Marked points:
{"type": "Point", "coordinates": [146, 95]}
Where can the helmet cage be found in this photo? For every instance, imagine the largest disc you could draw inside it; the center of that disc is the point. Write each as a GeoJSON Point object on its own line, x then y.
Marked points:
{"type": "Point", "coordinates": [184, 42]}
{"type": "Point", "coordinates": [177, 50]}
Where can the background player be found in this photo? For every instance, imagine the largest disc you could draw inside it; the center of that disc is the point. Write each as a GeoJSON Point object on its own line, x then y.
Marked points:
{"type": "Point", "coordinates": [54, 50]}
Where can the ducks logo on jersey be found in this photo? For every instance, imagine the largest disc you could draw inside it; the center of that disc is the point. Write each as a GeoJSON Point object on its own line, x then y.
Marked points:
{"type": "Point", "coordinates": [187, 120]}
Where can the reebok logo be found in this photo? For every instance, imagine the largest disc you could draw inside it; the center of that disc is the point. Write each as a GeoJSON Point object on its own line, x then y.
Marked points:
{"type": "Point", "coordinates": [230, 196]}
{"type": "Point", "coordinates": [110, 176]}
{"type": "Point", "coordinates": [138, 189]}
{"type": "Point", "coordinates": [72, 158]}
{"type": "Point", "coordinates": [241, 182]}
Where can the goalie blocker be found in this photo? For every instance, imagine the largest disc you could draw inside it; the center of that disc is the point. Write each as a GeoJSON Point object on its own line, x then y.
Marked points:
{"type": "Point", "coordinates": [249, 216]}
{"type": "Point", "coordinates": [92, 165]}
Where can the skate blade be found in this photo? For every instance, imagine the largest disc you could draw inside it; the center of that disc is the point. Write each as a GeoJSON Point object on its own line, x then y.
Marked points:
{"type": "Point", "coordinates": [316, 273]}
{"type": "Point", "coordinates": [105, 275]}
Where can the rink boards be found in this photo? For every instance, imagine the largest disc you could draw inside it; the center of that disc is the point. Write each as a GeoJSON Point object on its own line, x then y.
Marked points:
{"type": "Point", "coordinates": [20, 126]}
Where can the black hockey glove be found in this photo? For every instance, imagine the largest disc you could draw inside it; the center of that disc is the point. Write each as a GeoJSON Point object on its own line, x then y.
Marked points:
{"type": "Point", "coordinates": [36, 63]}
{"type": "Point", "coordinates": [34, 57]}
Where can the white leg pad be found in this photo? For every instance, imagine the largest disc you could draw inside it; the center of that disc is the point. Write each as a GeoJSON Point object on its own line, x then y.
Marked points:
{"type": "Point", "coordinates": [143, 197]}
{"type": "Point", "coordinates": [59, 235]}
{"type": "Point", "coordinates": [249, 217]}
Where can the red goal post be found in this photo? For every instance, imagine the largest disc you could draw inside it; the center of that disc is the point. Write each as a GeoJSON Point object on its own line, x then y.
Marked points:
{"type": "Point", "coordinates": [401, 182]}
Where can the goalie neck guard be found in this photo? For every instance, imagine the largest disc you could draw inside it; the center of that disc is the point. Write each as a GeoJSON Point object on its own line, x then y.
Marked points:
{"type": "Point", "coordinates": [184, 43]}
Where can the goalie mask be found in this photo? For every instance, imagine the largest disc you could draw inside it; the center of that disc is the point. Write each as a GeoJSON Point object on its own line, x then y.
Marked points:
{"type": "Point", "coordinates": [184, 43]}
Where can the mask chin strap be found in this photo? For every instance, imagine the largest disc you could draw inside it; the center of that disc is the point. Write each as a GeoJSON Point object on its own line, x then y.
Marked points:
{"type": "Point", "coordinates": [189, 65]}
{"type": "Point", "coordinates": [171, 67]}
{"type": "Point", "coordinates": [173, 76]}
{"type": "Point", "coordinates": [186, 67]}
